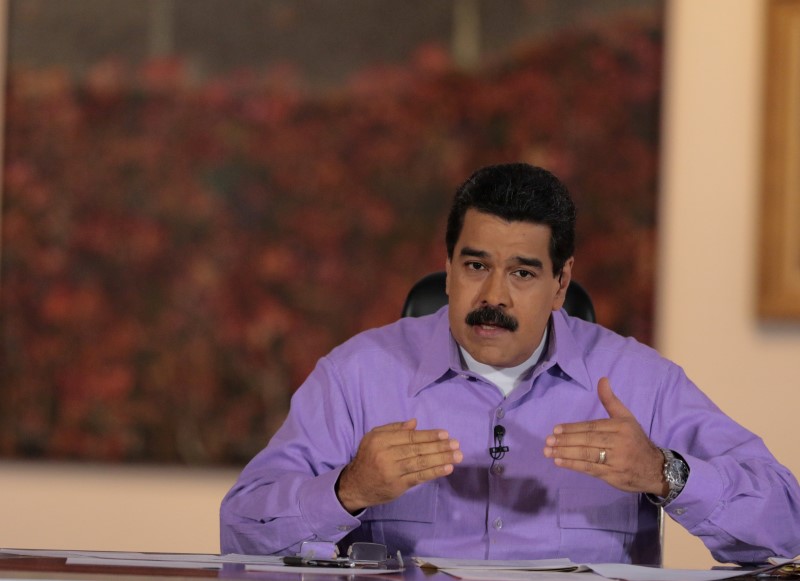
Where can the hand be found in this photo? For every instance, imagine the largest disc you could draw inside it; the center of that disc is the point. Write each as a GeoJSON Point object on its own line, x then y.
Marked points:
{"type": "Point", "coordinates": [631, 461]}
{"type": "Point", "coordinates": [393, 458]}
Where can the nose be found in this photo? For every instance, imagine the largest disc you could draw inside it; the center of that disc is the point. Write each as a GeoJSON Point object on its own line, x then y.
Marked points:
{"type": "Point", "coordinates": [495, 290]}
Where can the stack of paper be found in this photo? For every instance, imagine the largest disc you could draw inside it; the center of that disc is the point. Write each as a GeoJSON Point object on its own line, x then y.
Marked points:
{"type": "Point", "coordinates": [564, 569]}
{"type": "Point", "coordinates": [164, 560]}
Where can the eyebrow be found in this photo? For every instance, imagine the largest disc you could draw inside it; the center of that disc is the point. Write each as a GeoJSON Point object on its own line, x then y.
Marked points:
{"type": "Point", "coordinates": [467, 251]}
{"type": "Point", "coordinates": [531, 262]}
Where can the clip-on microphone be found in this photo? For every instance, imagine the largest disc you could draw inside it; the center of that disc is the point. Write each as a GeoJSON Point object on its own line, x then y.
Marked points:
{"type": "Point", "coordinates": [498, 450]}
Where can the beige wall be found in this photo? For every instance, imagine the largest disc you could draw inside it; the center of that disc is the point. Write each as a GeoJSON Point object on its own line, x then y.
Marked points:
{"type": "Point", "coordinates": [709, 233]}
{"type": "Point", "coordinates": [85, 506]}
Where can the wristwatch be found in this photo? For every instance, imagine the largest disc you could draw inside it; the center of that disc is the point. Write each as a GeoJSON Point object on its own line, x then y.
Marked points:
{"type": "Point", "coordinates": [676, 472]}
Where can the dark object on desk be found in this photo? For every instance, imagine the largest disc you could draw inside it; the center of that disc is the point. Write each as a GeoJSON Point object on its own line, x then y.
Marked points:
{"type": "Point", "coordinates": [339, 562]}
{"type": "Point", "coordinates": [789, 570]}
{"type": "Point", "coordinates": [428, 296]}
{"type": "Point", "coordinates": [359, 556]}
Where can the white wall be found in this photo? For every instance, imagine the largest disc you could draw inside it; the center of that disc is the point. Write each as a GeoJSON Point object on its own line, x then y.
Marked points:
{"type": "Point", "coordinates": [705, 317]}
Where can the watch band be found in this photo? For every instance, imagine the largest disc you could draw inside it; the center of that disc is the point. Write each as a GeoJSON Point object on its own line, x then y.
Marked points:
{"type": "Point", "coordinates": [676, 472]}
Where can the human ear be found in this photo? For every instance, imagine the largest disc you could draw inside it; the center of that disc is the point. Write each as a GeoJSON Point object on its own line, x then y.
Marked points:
{"type": "Point", "coordinates": [563, 280]}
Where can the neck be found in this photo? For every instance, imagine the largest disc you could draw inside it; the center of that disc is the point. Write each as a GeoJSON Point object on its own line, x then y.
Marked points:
{"type": "Point", "coordinates": [505, 378]}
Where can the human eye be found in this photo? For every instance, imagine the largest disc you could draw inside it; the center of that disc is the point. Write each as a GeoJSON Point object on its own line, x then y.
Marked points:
{"type": "Point", "coordinates": [524, 274]}
{"type": "Point", "coordinates": [474, 265]}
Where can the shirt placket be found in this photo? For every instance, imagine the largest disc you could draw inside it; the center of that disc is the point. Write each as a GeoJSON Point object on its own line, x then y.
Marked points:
{"type": "Point", "coordinates": [495, 514]}
{"type": "Point", "coordinates": [499, 516]}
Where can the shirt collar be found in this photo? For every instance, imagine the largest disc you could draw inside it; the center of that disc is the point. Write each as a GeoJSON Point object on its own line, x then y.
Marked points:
{"type": "Point", "coordinates": [441, 359]}
{"type": "Point", "coordinates": [565, 351]}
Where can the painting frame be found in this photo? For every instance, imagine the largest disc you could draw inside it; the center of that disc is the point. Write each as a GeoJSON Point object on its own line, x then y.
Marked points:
{"type": "Point", "coordinates": [779, 281]}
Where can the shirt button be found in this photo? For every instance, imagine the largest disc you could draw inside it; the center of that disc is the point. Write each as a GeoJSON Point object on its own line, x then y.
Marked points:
{"type": "Point", "coordinates": [498, 523]}
{"type": "Point", "coordinates": [680, 511]}
{"type": "Point", "coordinates": [500, 413]}
{"type": "Point", "coordinates": [343, 528]}
{"type": "Point", "coordinates": [498, 469]}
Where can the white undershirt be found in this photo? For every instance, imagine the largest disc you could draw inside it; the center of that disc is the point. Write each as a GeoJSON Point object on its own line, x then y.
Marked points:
{"type": "Point", "coordinates": [505, 378]}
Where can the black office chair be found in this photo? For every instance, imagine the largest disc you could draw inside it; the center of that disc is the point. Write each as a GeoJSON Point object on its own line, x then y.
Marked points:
{"type": "Point", "coordinates": [428, 296]}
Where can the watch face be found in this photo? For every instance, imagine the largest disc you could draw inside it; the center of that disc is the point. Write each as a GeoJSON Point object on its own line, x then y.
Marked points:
{"type": "Point", "coordinates": [676, 472]}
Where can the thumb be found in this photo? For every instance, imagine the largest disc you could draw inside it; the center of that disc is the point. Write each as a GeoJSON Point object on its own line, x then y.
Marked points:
{"type": "Point", "coordinates": [613, 405]}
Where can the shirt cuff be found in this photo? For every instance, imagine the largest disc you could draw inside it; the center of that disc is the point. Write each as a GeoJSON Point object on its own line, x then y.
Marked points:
{"type": "Point", "coordinates": [321, 509]}
{"type": "Point", "coordinates": [701, 495]}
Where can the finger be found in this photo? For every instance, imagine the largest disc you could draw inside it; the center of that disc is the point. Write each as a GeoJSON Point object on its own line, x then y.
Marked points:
{"type": "Point", "coordinates": [413, 478]}
{"type": "Point", "coordinates": [591, 468]}
{"type": "Point", "coordinates": [402, 443]}
{"type": "Point", "coordinates": [590, 427]}
{"type": "Point", "coordinates": [402, 439]}
{"type": "Point", "coordinates": [425, 448]}
{"type": "Point", "coordinates": [426, 462]}
{"type": "Point", "coordinates": [613, 405]}
{"type": "Point", "coordinates": [582, 453]}
{"type": "Point", "coordinates": [395, 426]}
{"type": "Point", "coordinates": [595, 439]}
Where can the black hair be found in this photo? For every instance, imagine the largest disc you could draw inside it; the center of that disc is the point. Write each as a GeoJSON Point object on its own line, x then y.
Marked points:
{"type": "Point", "coordinates": [518, 192]}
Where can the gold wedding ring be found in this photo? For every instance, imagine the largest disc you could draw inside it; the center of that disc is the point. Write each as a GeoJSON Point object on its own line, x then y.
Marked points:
{"type": "Point", "coordinates": [602, 459]}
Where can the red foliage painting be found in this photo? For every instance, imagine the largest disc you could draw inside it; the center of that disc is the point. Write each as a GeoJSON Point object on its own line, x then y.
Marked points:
{"type": "Point", "coordinates": [177, 254]}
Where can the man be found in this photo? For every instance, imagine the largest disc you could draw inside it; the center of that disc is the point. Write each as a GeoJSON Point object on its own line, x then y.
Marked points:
{"type": "Point", "coordinates": [502, 428]}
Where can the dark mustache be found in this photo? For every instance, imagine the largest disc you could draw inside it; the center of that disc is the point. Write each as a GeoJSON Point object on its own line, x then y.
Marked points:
{"type": "Point", "coordinates": [488, 315]}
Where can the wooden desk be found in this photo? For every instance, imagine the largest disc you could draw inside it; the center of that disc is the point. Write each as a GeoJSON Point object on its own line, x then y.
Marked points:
{"type": "Point", "coordinates": [56, 568]}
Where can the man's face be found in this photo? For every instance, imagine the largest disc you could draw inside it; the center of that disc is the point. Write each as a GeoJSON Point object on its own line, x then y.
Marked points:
{"type": "Point", "coordinates": [502, 268]}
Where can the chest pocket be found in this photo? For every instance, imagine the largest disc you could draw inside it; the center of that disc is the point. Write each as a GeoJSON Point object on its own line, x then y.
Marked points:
{"type": "Point", "coordinates": [406, 520]}
{"type": "Point", "coordinates": [597, 527]}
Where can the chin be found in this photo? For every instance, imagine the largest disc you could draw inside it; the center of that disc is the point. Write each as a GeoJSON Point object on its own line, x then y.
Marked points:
{"type": "Point", "coordinates": [502, 363]}
{"type": "Point", "coordinates": [495, 360]}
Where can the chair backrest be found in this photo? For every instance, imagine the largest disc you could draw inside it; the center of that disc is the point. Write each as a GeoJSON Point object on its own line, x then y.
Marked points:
{"type": "Point", "coordinates": [428, 296]}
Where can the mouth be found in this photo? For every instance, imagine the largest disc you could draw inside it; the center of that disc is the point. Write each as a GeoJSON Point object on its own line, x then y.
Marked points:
{"type": "Point", "coordinates": [488, 331]}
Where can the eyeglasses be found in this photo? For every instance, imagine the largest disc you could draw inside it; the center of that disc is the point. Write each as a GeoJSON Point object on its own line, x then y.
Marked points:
{"type": "Point", "coordinates": [359, 555]}
{"type": "Point", "coordinates": [790, 570]}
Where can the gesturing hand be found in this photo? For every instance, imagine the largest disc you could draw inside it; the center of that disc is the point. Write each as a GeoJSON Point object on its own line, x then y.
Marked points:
{"type": "Point", "coordinates": [393, 458]}
{"type": "Point", "coordinates": [615, 450]}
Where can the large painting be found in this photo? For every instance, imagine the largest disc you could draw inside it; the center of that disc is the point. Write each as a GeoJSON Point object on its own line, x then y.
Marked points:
{"type": "Point", "coordinates": [201, 198]}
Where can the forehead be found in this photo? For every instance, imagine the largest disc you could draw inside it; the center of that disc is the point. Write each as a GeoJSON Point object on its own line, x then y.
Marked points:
{"type": "Point", "coordinates": [500, 238]}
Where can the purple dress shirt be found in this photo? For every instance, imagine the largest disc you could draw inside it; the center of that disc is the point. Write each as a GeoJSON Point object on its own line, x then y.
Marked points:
{"type": "Point", "coordinates": [739, 500]}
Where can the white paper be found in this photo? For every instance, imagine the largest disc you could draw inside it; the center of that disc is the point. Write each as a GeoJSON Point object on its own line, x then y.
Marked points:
{"type": "Point", "coordinates": [171, 560]}
{"type": "Point", "coordinates": [318, 570]}
{"type": "Point", "coordinates": [782, 561]}
{"type": "Point", "coordinates": [166, 564]}
{"type": "Point", "coordinates": [564, 569]}
{"type": "Point", "coordinates": [37, 553]}
{"type": "Point", "coordinates": [187, 561]}
{"type": "Point", "coordinates": [498, 565]}
{"type": "Point", "coordinates": [520, 575]}
{"type": "Point", "coordinates": [640, 573]}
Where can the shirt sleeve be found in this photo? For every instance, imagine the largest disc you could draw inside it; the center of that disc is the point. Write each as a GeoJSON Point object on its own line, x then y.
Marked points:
{"type": "Point", "coordinates": [286, 495]}
{"type": "Point", "coordinates": [739, 500]}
